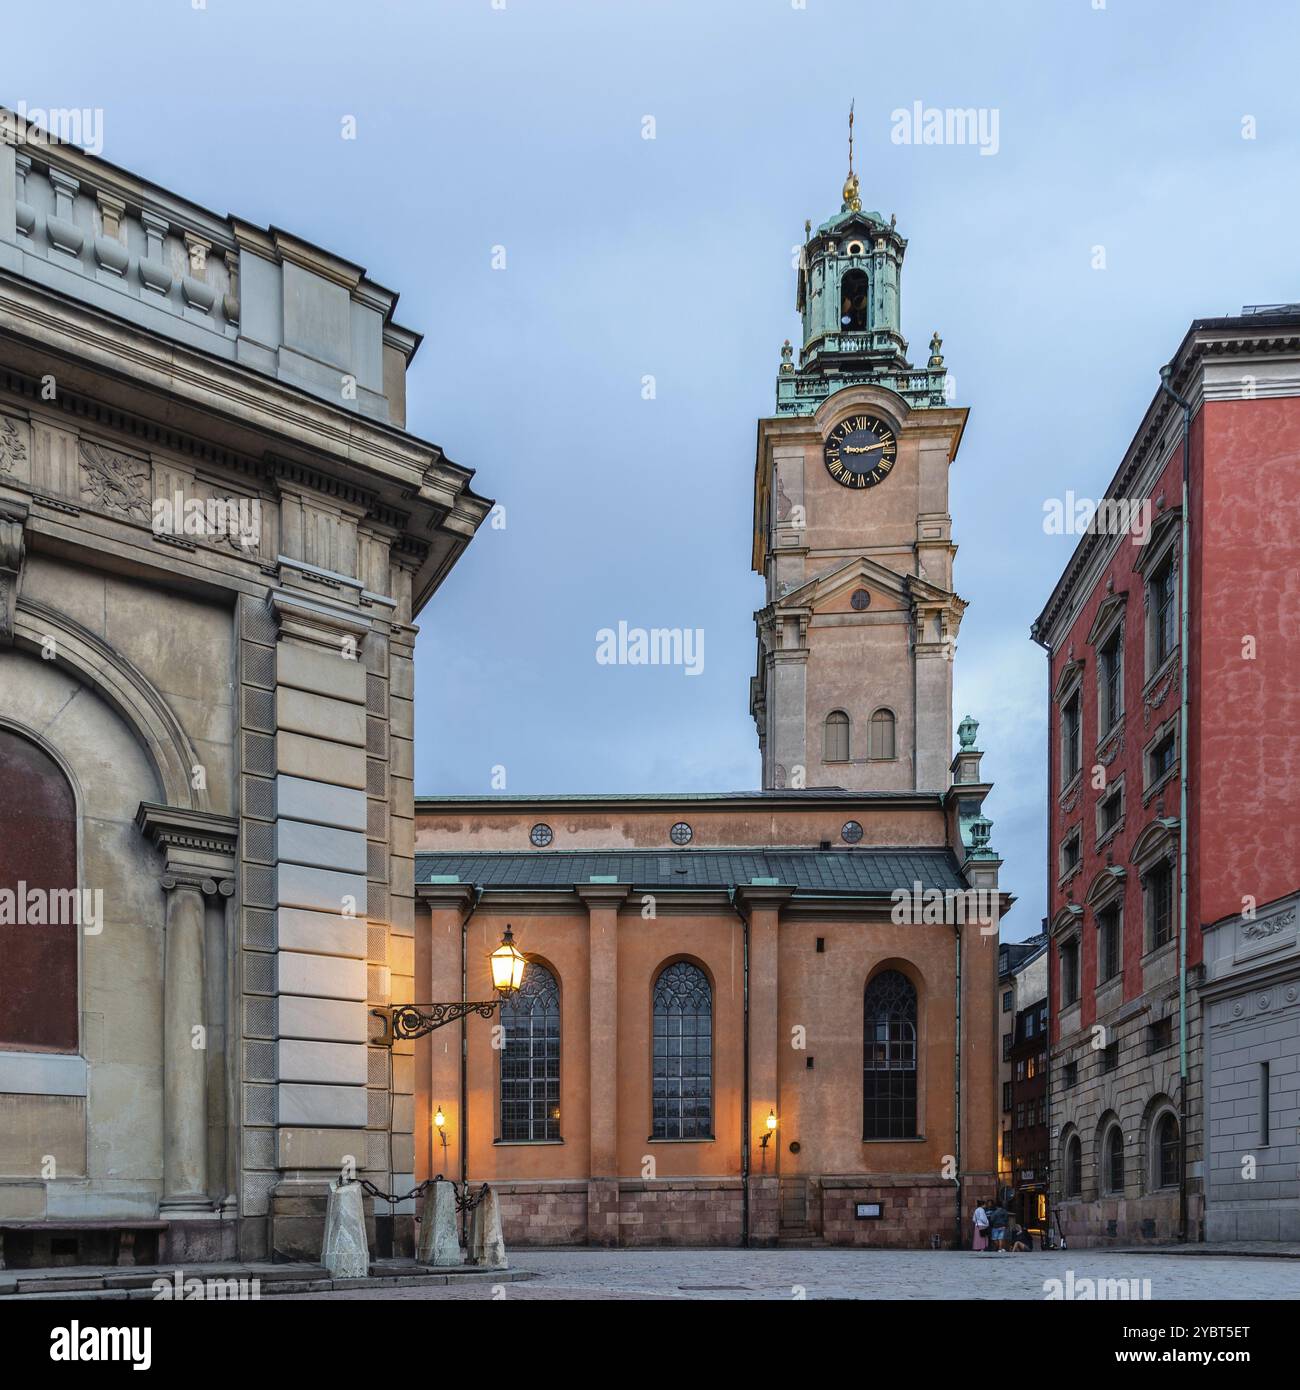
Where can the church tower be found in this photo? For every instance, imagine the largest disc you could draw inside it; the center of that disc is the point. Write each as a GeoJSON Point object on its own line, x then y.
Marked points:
{"type": "Point", "coordinates": [851, 530]}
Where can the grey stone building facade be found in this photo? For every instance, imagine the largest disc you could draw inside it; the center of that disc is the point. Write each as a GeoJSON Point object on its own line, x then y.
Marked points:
{"type": "Point", "coordinates": [215, 536]}
{"type": "Point", "coordinates": [1251, 1011]}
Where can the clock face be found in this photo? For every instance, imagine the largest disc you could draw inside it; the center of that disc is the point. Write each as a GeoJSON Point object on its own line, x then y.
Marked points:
{"type": "Point", "coordinates": [861, 451]}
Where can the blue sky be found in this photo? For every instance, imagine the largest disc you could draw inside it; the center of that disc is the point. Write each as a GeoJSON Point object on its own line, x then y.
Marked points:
{"type": "Point", "coordinates": [520, 125]}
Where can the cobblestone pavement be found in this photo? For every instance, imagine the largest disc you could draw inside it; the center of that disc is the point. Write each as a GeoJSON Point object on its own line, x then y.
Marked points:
{"type": "Point", "coordinates": [864, 1274]}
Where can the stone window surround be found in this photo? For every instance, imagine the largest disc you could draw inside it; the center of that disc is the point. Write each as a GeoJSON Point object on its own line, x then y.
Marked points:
{"type": "Point", "coordinates": [1107, 1126]}
{"type": "Point", "coordinates": [1115, 789]}
{"type": "Point", "coordinates": [1150, 786]}
{"type": "Point", "coordinates": [1068, 687]}
{"type": "Point", "coordinates": [1157, 845]}
{"type": "Point", "coordinates": [1104, 986]}
{"type": "Point", "coordinates": [1067, 872]}
{"type": "Point", "coordinates": [1070, 1137]}
{"type": "Point", "coordinates": [1163, 546]}
{"type": "Point", "coordinates": [1072, 937]}
{"type": "Point", "coordinates": [1151, 1168]}
{"type": "Point", "coordinates": [1110, 624]}
{"type": "Point", "coordinates": [1108, 890]}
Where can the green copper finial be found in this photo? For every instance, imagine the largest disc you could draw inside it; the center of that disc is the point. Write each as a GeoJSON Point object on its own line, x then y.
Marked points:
{"type": "Point", "coordinates": [787, 356]}
{"type": "Point", "coordinates": [966, 732]}
{"type": "Point", "coordinates": [936, 351]}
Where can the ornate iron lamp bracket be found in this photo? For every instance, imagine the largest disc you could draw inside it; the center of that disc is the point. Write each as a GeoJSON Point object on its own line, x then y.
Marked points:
{"type": "Point", "coordinates": [403, 1021]}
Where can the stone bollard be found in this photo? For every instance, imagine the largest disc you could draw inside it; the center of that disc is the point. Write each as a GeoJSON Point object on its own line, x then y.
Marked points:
{"type": "Point", "coordinates": [439, 1240]}
{"type": "Point", "coordinates": [487, 1248]}
{"type": "Point", "coordinates": [345, 1252]}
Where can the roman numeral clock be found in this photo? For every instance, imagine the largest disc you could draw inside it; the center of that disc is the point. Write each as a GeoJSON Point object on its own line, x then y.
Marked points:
{"type": "Point", "coordinates": [860, 451]}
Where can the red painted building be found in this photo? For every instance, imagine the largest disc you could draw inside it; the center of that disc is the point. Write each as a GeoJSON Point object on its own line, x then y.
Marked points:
{"type": "Point", "coordinates": [1128, 1105]}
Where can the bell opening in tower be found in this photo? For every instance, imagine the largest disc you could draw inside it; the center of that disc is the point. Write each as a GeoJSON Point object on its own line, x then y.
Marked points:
{"type": "Point", "coordinates": [854, 298]}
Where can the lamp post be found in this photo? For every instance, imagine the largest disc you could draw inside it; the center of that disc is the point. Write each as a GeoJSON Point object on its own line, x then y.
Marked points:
{"type": "Point", "coordinates": [416, 1020]}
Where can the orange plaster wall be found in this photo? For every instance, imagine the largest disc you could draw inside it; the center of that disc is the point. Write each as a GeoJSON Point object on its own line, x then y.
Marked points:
{"type": "Point", "coordinates": [821, 992]}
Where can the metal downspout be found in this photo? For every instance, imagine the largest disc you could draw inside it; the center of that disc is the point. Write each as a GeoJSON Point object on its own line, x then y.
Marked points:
{"type": "Point", "coordinates": [957, 1089]}
{"type": "Point", "coordinates": [744, 1101]}
{"type": "Point", "coordinates": [1184, 664]}
{"type": "Point", "coordinates": [464, 1054]}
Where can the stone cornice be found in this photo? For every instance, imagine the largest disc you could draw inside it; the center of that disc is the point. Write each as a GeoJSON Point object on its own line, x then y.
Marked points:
{"type": "Point", "coordinates": [199, 847]}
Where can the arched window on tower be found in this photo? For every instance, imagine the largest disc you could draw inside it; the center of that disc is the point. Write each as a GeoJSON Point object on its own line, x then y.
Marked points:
{"type": "Point", "coordinates": [682, 1066]}
{"type": "Point", "coordinates": [855, 299]}
{"type": "Point", "coordinates": [889, 1058]}
{"type": "Point", "coordinates": [530, 1059]}
{"type": "Point", "coordinates": [837, 737]}
{"type": "Point", "coordinates": [880, 741]}
{"type": "Point", "coordinates": [39, 1007]}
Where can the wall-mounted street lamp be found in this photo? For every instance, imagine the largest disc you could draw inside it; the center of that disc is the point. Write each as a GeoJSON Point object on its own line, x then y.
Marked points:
{"type": "Point", "coordinates": [415, 1020]}
{"type": "Point", "coordinates": [768, 1131]}
{"type": "Point", "coordinates": [440, 1124]}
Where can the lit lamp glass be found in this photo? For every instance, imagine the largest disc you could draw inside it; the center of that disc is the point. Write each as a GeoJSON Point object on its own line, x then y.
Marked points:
{"type": "Point", "coordinates": [439, 1119]}
{"type": "Point", "coordinates": [507, 965]}
{"type": "Point", "coordinates": [771, 1120]}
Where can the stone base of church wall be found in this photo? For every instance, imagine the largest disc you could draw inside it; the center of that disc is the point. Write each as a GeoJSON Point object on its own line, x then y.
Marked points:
{"type": "Point", "coordinates": [199, 1242]}
{"type": "Point", "coordinates": [899, 1213]}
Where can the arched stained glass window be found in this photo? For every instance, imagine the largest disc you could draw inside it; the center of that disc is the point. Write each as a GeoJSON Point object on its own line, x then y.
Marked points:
{"type": "Point", "coordinates": [682, 1054]}
{"type": "Point", "coordinates": [530, 1059]}
{"type": "Point", "coordinates": [889, 1058]}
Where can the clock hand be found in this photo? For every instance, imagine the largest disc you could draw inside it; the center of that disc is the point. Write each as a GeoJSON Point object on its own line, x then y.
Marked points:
{"type": "Point", "coordinates": [866, 448]}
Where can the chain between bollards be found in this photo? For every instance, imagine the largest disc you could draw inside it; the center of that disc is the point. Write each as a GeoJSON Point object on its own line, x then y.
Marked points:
{"type": "Point", "coordinates": [465, 1200]}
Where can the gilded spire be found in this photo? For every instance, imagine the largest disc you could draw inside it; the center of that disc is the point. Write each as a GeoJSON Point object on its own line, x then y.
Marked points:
{"type": "Point", "coordinates": [852, 202]}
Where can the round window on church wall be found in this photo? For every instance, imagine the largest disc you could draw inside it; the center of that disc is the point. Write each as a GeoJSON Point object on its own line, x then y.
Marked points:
{"type": "Point", "coordinates": [861, 599]}
{"type": "Point", "coordinates": [851, 832]}
{"type": "Point", "coordinates": [681, 833]}
{"type": "Point", "coordinates": [541, 835]}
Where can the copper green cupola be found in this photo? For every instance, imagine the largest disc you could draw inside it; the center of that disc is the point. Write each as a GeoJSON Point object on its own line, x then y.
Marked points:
{"type": "Point", "coordinates": [848, 297]}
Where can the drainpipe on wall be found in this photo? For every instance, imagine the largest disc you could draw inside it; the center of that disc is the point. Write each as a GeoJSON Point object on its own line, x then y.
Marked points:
{"type": "Point", "coordinates": [957, 1089]}
{"type": "Point", "coordinates": [744, 1100]}
{"type": "Point", "coordinates": [1184, 665]}
{"type": "Point", "coordinates": [464, 1055]}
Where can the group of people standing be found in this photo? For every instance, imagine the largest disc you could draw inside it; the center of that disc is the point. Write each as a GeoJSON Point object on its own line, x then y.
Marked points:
{"type": "Point", "coordinates": [997, 1230]}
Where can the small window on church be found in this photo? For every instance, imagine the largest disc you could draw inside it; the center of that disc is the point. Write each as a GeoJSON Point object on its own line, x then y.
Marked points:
{"type": "Point", "coordinates": [837, 737]}
{"type": "Point", "coordinates": [882, 735]}
{"type": "Point", "coordinates": [855, 293]}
